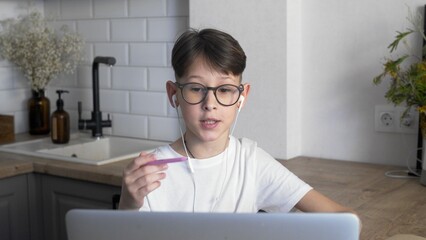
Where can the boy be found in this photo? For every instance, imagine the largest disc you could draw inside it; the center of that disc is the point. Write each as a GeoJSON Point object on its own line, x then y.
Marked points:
{"type": "Point", "coordinates": [222, 173]}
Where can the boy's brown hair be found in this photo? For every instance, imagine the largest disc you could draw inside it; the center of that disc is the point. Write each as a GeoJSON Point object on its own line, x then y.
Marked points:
{"type": "Point", "coordinates": [219, 49]}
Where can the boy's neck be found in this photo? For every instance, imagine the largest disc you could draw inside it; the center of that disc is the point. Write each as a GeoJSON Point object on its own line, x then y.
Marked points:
{"type": "Point", "coordinates": [199, 149]}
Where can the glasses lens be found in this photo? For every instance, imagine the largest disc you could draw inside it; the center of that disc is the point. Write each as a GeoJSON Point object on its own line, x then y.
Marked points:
{"type": "Point", "coordinates": [227, 94]}
{"type": "Point", "coordinates": [193, 93]}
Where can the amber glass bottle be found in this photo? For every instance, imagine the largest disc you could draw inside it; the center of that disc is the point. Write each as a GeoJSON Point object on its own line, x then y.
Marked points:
{"type": "Point", "coordinates": [60, 122]}
{"type": "Point", "coordinates": [39, 113]}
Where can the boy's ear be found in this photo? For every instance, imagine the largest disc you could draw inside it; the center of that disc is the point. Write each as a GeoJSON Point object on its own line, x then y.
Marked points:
{"type": "Point", "coordinates": [241, 102]}
{"type": "Point", "coordinates": [172, 93]}
{"type": "Point", "coordinates": [174, 103]}
{"type": "Point", "coordinates": [243, 96]}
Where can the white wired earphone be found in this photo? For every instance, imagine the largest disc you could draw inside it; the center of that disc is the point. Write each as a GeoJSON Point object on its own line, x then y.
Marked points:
{"type": "Point", "coordinates": [175, 105]}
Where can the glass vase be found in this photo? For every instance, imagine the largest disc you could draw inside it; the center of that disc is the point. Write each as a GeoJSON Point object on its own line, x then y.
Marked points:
{"type": "Point", "coordinates": [39, 113]}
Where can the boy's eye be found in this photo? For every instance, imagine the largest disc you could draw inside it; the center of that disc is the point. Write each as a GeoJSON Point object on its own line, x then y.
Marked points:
{"type": "Point", "coordinates": [196, 89]}
{"type": "Point", "coordinates": [225, 90]}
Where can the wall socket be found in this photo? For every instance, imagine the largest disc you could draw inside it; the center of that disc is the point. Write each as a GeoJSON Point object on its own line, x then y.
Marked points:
{"type": "Point", "coordinates": [389, 118]}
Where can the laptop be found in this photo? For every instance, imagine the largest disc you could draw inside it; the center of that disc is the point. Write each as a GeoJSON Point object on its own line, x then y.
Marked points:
{"type": "Point", "coordinates": [132, 225]}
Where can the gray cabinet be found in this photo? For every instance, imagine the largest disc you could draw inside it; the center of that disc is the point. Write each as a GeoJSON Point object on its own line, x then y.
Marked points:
{"type": "Point", "coordinates": [14, 208]}
{"type": "Point", "coordinates": [33, 206]}
{"type": "Point", "coordinates": [62, 194]}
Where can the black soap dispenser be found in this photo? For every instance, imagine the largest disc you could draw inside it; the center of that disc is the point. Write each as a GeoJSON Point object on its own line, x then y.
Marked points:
{"type": "Point", "coordinates": [60, 130]}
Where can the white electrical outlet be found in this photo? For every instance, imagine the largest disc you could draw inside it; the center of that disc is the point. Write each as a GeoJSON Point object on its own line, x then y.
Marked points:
{"type": "Point", "coordinates": [389, 118]}
{"type": "Point", "coordinates": [408, 123]}
{"type": "Point", "coordinates": [385, 119]}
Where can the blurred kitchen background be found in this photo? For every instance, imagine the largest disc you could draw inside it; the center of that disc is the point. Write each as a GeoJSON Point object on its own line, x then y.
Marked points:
{"type": "Point", "coordinates": [310, 63]}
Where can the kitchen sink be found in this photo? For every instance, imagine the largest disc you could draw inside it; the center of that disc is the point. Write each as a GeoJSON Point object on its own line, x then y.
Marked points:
{"type": "Point", "coordinates": [82, 148]}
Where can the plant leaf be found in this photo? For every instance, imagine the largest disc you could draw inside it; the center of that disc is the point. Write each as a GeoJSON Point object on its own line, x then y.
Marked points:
{"type": "Point", "coordinates": [400, 35]}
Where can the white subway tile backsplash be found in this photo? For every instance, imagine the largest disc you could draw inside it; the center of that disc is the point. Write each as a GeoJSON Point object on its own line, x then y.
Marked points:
{"type": "Point", "coordinates": [52, 8]}
{"type": "Point", "coordinates": [88, 53]}
{"type": "Point", "coordinates": [128, 30]}
{"type": "Point", "coordinates": [21, 121]}
{"type": "Point", "coordinates": [94, 30]}
{"type": "Point", "coordinates": [177, 8]}
{"type": "Point", "coordinates": [171, 111]}
{"type": "Point", "coordinates": [166, 29]}
{"type": "Point", "coordinates": [147, 8]}
{"type": "Point", "coordinates": [84, 76]}
{"type": "Point", "coordinates": [157, 78]}
{"type": "Point", "coordinates": [76, 9]}
{"type": "Point", "coordinates": [74, 118]}
{"type": "Point", "coordinates": [140, 35]}
{"type": "Point", "coordinates": [4, 63]}
{"type": "Point", "coordinates": [14, 100]}
{"type": "Point", "coordinates": [65, 80]}
{"type": "Point", "coordinates": [19, 80]}
{"type": "Point", "coordinates": [84, 95]}
{"type": "Point", "coordinates": [148, 103]}
{"type": "Point", "coordinates": [161, 128]}
{"type": "Point", "coordinates": [114, 101]}
{"type": "Point", "coordinates": [57, 25]}
{"type": "Point", "coordinates": [6, 78]}
{"type": "Point", "coordinates": [169, 54]}
{"type": "Point", "coordinates": [110, 8]}
{"type": "Point", "coordinates": [131, 78]}
{"type": "Point", "coordinates": [130, 125]}
{"type": "Point", "coordinates": [148, 54]}
{"type": "Point", "coordinates": [117, 50]}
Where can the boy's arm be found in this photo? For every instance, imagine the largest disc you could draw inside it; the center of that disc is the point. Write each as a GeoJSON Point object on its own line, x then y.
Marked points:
{"type": "Point", "coordinates": [314, 201]}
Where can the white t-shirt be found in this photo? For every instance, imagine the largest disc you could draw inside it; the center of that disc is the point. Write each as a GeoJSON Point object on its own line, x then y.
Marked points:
{"type": "Point", "coordinates": [243, 178]}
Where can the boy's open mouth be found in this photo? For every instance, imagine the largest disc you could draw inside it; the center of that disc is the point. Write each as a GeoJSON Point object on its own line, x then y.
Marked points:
{"type": "Point", "coordinates": [209, 123]}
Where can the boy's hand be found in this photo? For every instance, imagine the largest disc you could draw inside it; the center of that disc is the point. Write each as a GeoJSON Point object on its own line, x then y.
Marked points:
{"type": "Point", "coordinates": [139, 180]}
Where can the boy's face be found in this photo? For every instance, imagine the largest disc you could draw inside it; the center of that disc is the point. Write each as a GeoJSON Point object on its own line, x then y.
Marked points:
{"type": "Point", "coordinates": [209, 120]}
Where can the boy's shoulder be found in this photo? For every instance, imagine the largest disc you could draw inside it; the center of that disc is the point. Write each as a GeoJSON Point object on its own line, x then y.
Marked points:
{"type": "Point", "coordinates": [246, 141]}
{"type": "Point", "coordinates": [243, 141]}
{"type": "Point", "coordinates": [246, 146]}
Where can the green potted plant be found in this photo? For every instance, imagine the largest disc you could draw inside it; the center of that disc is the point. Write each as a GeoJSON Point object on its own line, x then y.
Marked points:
{"type": "Point", "coordinates": [407, 73]}
{"type": "Point", "coordinates": [41, 53]}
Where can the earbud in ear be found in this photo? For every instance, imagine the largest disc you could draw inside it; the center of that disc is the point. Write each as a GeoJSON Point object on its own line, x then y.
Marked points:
{"type": "Point", "coordinates": [241, 101]}
{"type": "Point", "coordinates": [174, 101]}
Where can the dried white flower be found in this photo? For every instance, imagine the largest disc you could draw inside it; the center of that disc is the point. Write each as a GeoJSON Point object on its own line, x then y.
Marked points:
{"type": "Point", "coordinates": [39, 51]}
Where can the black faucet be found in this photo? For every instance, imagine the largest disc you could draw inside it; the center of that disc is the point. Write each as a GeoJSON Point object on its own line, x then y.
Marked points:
{"type": "Point", "coordinates": [96, 123]}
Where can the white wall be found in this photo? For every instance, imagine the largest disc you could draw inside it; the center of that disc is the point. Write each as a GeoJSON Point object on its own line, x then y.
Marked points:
{"type": "Point", "coordinates": [343, 46]}
{"type": "Point", "coordinates": [263, 37]}
{"type": "Point", "coordinates": [311, 65]}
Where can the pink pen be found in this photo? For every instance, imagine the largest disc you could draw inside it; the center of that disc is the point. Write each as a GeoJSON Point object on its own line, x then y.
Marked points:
{"type": "Point", "coordinates": [168, 160]}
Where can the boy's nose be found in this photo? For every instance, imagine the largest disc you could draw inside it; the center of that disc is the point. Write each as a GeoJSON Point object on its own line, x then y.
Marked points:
{"type": "Point", "coordinates": [210, 101]}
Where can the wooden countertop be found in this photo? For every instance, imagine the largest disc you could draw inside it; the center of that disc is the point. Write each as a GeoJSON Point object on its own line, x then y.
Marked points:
{"type": "Point", "coordinates": [12, 164]}
{"type": "Point", "coordinates": [387, 206]}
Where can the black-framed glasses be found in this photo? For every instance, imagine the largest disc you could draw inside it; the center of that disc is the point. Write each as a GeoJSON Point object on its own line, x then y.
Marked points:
{"type": "Point", "coordinates": [226, 95]}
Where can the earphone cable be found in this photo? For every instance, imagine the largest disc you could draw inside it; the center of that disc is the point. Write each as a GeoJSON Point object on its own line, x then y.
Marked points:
{"type": "Point", "coordinates": [191, 170]}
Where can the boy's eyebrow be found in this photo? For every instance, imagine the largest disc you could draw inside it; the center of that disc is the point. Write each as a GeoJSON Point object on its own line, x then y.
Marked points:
{"type": "Point", "coordinates": [223, 77]}
{"type": "Point", "coordinates": [194, 76]}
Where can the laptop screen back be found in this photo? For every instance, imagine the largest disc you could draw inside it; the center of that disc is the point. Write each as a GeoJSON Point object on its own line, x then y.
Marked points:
{"type": "Point", "coordinates": [133, 225]}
